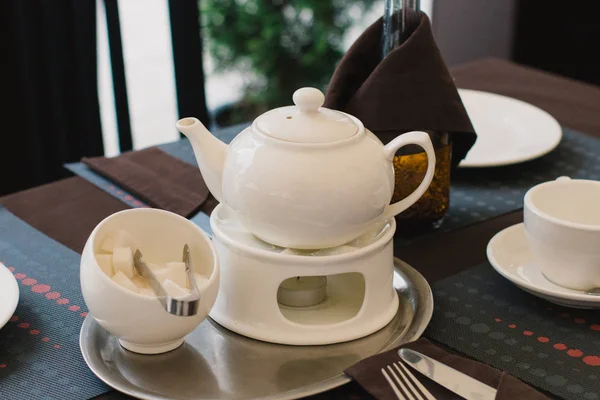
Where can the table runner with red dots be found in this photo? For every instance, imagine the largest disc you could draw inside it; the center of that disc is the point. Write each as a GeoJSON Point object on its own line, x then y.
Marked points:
{"type": "Point", "coordinates": [39, 346]}
{"type": "Point", "coordinates": [556, 349]}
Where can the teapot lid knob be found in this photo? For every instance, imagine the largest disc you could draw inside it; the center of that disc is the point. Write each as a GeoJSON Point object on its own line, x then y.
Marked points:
{"type": "Point", "coordinates": [307, 121]}
{"type": "Point", "coordinates": [308, 99]}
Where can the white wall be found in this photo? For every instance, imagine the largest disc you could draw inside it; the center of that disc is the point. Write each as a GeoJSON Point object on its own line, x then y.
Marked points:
{"type": "Point", "coordinates": [466, 30]}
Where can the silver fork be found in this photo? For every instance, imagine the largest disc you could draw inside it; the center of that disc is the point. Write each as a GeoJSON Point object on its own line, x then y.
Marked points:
{"type": "Point", "coordinates": [404, 384]}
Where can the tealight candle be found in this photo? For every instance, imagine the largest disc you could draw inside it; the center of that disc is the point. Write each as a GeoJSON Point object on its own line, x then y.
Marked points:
{"type": "Point", "coordinates": [302, 291]}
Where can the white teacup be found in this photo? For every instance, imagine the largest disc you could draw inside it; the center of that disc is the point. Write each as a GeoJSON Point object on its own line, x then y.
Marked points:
{"type": "Point", "coordinates": [562, 224]}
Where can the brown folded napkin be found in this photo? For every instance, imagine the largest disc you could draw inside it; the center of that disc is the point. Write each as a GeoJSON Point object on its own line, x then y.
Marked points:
{"type": "Point", "coordinates": [368, 374]}
{"type": "Point", "coordinates": [411, 89]}
{"type": "Point", "coordinates": [158, 179]}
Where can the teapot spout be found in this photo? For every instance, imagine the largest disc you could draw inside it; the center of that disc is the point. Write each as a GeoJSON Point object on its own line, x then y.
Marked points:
{"type": "Point", "coordinates": [209, 152]}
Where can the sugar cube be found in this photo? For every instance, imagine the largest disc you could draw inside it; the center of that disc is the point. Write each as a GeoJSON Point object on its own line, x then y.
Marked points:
{"type": "Point", "coordinates": [174, 271]}
{"type": "Point", "coordinates": [105, 263]}
{"type": "Point", "coordinates": [201, 281]}
{"type": "Point", "coordinates": [124, 281]}
{"type": "Point", "coordinates": [139, 281]}
{"type": "Point", "coordinates": [118, 238]}
{"type": "Point", "coordinates": [147, 292]}
{"type": "Point", "coordinates": [174, 290]}
{"type": "Point", "coordinates": [154, 267]}
{"type": "Point", "coordinates": [123, 261]}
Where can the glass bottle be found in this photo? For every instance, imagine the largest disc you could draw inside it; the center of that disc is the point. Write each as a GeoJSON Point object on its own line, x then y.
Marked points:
{"type": "Point", "coordinates": [401, 17]}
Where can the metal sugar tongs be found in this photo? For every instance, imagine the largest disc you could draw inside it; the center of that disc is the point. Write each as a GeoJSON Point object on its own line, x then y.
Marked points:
{"type": "Point", "coordinates": [182, 306]}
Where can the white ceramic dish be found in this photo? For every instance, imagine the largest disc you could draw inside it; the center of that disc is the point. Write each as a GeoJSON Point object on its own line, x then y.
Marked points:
{"type": "Point", "coordinates": [509, 131]}
{"type": "Point", "coordinates": [141, 323]}
{"type": "Point", "coordinates": [360, 290]}
{"type": "Point", "coordinates": [9, 294]}
{"type": "Point", "coordinates": [509, 253]}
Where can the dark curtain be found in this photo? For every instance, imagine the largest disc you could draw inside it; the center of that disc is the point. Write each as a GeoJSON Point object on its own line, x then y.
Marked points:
{"type": "Point", "coordinates": [187, 55]}
{"type": "Point", "coordinates": [559, 37]}
{"type": "Point", "coordinates": [48, 79]}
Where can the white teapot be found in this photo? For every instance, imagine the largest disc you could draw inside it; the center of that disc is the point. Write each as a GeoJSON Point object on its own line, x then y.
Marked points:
{"type": "Point", "coordinates": [305, 176]}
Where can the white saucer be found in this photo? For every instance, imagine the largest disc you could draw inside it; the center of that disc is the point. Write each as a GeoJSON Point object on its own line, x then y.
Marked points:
{"type": "Point", "coordinates": [509, 131]}
{"type": "Point", "coordinates": [9, 294]}
{"type": "Point", "coordinates": [508, 252]}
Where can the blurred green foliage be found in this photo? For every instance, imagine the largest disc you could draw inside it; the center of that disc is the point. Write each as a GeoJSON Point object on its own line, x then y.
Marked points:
{"type": "Point", "coordinates": [283, 44]}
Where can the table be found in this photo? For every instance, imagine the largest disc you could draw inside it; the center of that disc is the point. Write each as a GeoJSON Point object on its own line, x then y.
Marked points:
{"type": "Point", "coordinates": [68, 210]}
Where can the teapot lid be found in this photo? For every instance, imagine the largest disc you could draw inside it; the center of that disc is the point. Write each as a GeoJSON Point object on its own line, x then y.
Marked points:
{"type": "Point", "coordinates": [307, 121]}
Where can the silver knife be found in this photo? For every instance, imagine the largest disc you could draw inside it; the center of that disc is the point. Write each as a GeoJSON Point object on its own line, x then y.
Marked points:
{"type": "Point", "coordinates": [461, 384]}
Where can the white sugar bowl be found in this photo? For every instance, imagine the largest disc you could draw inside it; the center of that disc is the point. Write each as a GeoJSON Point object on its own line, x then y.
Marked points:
{"type": "Point", "coordinates": [305, 176]}
{"type": "Point", "coordinates": [140, 322]}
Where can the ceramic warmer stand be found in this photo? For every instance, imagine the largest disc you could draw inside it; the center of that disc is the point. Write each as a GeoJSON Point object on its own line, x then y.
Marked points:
{"type": "Point", "coordinates": [360, 298]}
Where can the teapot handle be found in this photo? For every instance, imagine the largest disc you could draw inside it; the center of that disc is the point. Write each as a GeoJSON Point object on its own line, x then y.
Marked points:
{"type": "Point", "coordinates": [420, 139]}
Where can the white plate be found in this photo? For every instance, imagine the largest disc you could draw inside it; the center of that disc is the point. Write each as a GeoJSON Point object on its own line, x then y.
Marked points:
{"type": "Point", "coordinates": [508, 252]}
{"type": "Point", "coordinates": [9, 294]}
{"type": "Point", "coordinates": [509, 131]}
